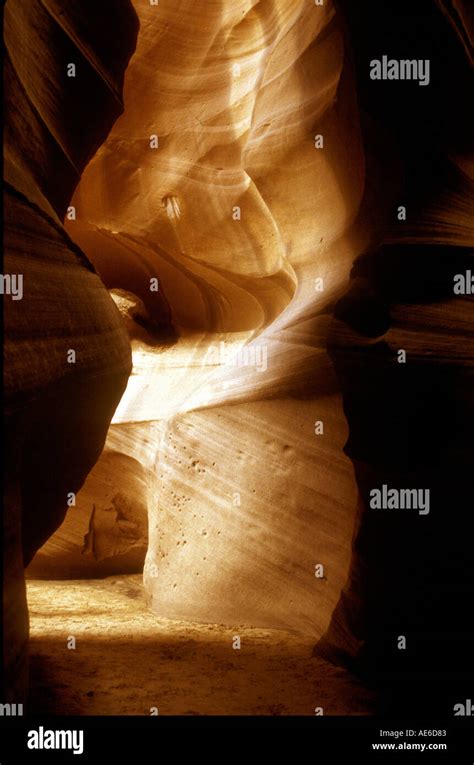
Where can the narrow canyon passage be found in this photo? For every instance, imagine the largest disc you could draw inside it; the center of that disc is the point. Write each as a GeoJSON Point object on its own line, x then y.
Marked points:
{"type": "Point", "coordinates": [238, 326]}
{"type": "Point", "coordinates": [223, 473]}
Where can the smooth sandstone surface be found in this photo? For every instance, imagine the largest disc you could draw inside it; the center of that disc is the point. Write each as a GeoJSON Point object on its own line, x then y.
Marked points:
{"type": "Point", "coordinates": [247, 224]}
{"type": "Point", "coordinates": [260, 275]}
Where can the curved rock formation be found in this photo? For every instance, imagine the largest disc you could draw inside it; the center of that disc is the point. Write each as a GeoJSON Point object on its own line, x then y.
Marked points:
{"type": "Point", "coordinates": [235, 131]}
{"type": "Point", "coordinates": [224, 212]}
{"type": "Point", "coordinates": [200, 179]}
{"type": "Point", "coordinates": [67, 357]}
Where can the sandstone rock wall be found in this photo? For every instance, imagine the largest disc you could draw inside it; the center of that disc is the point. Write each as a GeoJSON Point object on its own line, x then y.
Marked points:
{"type": "Point", "coordinates": [58, 405]}
{"type": "Point", "coordinates": [243, 208]}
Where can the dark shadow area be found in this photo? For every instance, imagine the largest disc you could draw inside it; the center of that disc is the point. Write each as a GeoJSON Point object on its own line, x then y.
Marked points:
{"type": "Point", "coordinates": [410, 423]}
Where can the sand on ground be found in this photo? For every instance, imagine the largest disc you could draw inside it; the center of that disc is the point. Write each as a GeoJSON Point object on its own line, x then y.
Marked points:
{"type": "Point", "coordinates": [129, 661]}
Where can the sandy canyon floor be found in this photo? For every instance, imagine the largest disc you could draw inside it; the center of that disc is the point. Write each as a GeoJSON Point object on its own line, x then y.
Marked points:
{"type": "Point", "coordinates": [128, 660]}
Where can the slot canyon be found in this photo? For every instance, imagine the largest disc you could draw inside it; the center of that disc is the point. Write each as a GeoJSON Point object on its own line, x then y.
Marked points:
{"type": "Point", "coordinates": [234, 323]}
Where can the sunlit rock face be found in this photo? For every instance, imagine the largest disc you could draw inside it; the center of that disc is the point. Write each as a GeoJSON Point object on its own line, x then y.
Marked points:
{"type": "Point", "coordinates": [210, 180]}
{"type": "Point", "coordinates": [67, 356]}
{"type": "Point", "coordinates": [234, 178]}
